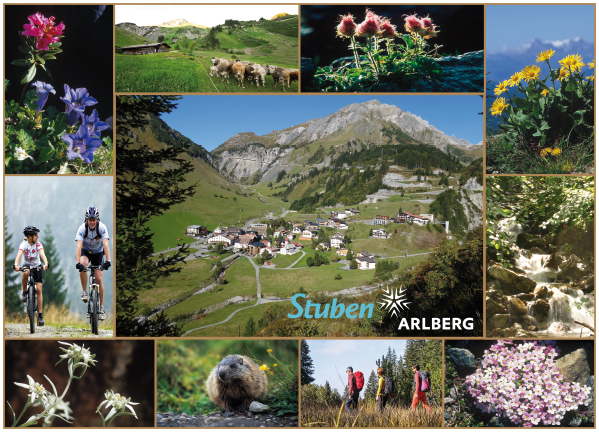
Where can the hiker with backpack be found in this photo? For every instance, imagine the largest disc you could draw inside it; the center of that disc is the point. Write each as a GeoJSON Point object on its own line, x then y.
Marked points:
{"type": "Point", "coordinates": [422, 385]}
{"type": "Point", "coordinates": [355, 384]}
{"type": "Point", "coordinates": [385, 390]}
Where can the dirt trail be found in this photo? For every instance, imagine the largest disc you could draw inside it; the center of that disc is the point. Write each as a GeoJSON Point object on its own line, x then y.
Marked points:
{"type": "Point", "coordinates": [22, 331]}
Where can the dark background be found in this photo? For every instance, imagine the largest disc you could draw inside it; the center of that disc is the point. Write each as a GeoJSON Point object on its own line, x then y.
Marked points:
{"type": "Point", "coordinates": [126, 367]}
{"type": "Point", "coordinates": [86, 60]}
{"type": "Point", "coordinates": [461, 28]}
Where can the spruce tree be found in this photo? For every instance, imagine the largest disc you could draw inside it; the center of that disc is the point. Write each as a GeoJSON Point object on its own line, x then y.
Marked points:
{"type": "Point", "coordinates": [12, 286]}
{"type": "Point", "coordinates": [148, 182]}
{"type": "Point", "coordinates": [307, 364]}
{"type": "Point", "coordinates": [55, 289]}
{"type": "Point", "coordinates": [250, 328]}
{"type": "Point", "coordinates": [371, 386]}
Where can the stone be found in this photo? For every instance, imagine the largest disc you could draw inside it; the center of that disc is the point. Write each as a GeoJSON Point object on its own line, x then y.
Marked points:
{"type": "Point", "coordinates": [591, 383]}
{"type": "Point", "coordinates": [449, 400]}
{"type": "Point", "coordinates": [498, 321]}
{"type": "Point", "coordinates": [532, 328]}
{"type": "Point", "coordinates": [526, 320]}
{"type": "Point", "coordinates": [541, 292]}
{"type": "Point", "coordinates": [554, 261]}
{"type": "Point", "coordinates": [494, 308]}
{"type": "Point", "coordinates": [536, 250]}
{"type": "Point", "coordinates": [510, 282]}
{"type": "Point", "coordinates": [495, 294]}
{"type": "Point", "coordinates": [540, 309]}
{"type": "Point", "coordinates": [494, 333]}
{"type": "Point", "coordinates": [308, 69]}
{"type": "Point", "coordinates": [453, 394]}
{"type": "Point", "coordinates": [516, 307]}
{"type": "Point", "coordinates": [571, 270]}
{"type": "Point", "coordinates": [257, 407]}
{"type": "Point", "coordinates": [528, 241]}
{"type": "Point", "coordinates": [462, 357]}
{"type": "Point", "coordinates": [159, 417]}
{"type": "Point", "coordinates": [525, 297]}
{"type": "Point", "coordinates": [575, 366]}
{"type": "Point", "coordinates": [588, 285]}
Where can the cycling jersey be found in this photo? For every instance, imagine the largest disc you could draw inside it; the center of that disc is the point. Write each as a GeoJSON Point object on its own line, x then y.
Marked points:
{"type": "Point", "coordinates": [31, 253]}
{"type": "Point", "coordinates": [92, 242]}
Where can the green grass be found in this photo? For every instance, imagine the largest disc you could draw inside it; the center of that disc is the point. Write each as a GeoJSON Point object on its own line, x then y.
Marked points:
{"type": "Point", "coordinates": [241, 278]}
{"type": "Point", "coordinates": [193, 273]}
{"type": "Point", "coordinates": [283, 261]}
{"type": "Point", "coordinates": [216, 316]}
{"type": "Point", "coordinates": [164, 234]}
{"type": "Point", "coordinates": [126, 38]}
{"type": "Point", "coordinates": [313, 279]}
{"type": "Point", "coordinates": [231, 327]}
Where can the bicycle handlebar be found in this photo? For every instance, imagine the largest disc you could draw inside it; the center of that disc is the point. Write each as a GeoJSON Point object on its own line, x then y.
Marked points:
{"type": "Point", "coordinates": [24, 268]}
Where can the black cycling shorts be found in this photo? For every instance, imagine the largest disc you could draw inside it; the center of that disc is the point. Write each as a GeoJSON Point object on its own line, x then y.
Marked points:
{"type": "Point", "coordinates": [38, 275]}
{"type": "Point", "coordinates": [94, 259]}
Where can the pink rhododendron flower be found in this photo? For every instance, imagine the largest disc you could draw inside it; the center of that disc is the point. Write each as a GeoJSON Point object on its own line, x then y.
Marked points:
{"type": "Point", "coordinates": [347, 26]}
{"type": "Point", "coordinates": [44, 29]}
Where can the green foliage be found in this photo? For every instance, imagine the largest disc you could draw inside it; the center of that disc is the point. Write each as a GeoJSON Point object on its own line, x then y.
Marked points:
{"type": "Point", "coordinates": [250, 328]}
{"type": "Point", "coordinates": [12, 287]}
{"type": "Point", "coordinates": [338, 276]}
{"type": "Point", "coordinates": [385, 266]}
{"type": "Point", "coordinates": [536, 203]}
{"type": "Point", "coordinates": [33, 142]}
{"type": "Point", "coordinates": [447, 207]}
{"type": "Point", "coordinates": [475, 169]}
{"type": "Point", "coordinates": [353, 264]}
{"type": "Point", "coordinates": [307, 364]}
{"type": "Point", "coordinates": [55, 288]}
{"type": "Point", "coordinates": [183, 367]}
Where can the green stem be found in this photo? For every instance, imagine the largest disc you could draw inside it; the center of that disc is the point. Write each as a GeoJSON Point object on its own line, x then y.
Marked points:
{"type": "Point", "coordinates": [551, 73]}
{"type": "Point", "coordinates": [355, 50]}
{"type": "Point", "coordinates": [21, 415]}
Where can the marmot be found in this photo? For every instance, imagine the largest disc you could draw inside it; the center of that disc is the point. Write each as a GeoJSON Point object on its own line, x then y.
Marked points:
{"type": "Point", "coordinates": [236, 382]}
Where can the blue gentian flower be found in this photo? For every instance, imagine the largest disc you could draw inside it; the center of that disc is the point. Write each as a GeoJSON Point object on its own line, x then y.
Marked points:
{"type": "Point", "coordinates": [82, 144]}
{"type": "Point", "coordinates": [93, 124]}
{"type": "Point", "coordinates": [42, 90]}
{"type": "Point", "coordinates": [76, 100]}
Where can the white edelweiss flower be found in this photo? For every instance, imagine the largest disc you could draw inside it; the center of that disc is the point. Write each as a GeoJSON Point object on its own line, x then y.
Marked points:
{"type": "Point", "coordinates": [21, 154]}
{"type": "Point", "coordinates": [118, 403]}
{"type": "Point", "coordinates": [59, 407]}
{"type": "Point", "coordinates": [37, 391]}
{"type": "Point", "coordinates": [77, 353]}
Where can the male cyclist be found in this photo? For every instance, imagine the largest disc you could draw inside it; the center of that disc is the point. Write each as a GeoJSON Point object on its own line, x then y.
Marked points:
{"type": "Point", "coordinates": [33, 251]}
{"type": "Point", "coordinates": [92, 245]}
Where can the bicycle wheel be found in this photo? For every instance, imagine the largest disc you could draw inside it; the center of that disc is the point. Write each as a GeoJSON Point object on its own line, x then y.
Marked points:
{"type": "Point", "coordinates": [95, 309]}
{"type": "Point", "coordinates": [31, 307]}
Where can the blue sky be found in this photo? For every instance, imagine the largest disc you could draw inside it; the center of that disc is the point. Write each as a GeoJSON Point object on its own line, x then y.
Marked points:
{"type": "Point", "coordinates": [359, 354]}
{"type": "Point", "coordinates": [211, 120]}
{"type": "Point", "coordinates": [512, 26]}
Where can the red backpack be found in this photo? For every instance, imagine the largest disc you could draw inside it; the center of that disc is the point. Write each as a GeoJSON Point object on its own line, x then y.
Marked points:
{"type": "Point", "coordinates": [359, 376]}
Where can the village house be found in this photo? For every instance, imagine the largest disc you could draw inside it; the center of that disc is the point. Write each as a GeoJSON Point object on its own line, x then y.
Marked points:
{"type": "Point", "coordinates": [404, 217]}
{"type": "Point", "coordinates": [313, 226]}
{"type": "Point", "coordinates": [308, 235]}
{"type": "Point", "coordinates": [352, 212]}
{"type": "Point", "coordinates": [324, 246]}
{"type": "Point", "coordinates": [337, 242]}
{"type": "Point", "coordinates": [273, 250]}
{"type": "Point", "coordinates": [341, 225]}
{"type": "Point", "coordinates": [381, 220]}
{"type": "Point", "coordinates": [342, 252]}
{"type": "Point", "coordinates": [365, 263]}
{"type": "Point", "coordinates": [259, 228]}
{"type": "Point", "coordinates": [321, 222]}
{"type": "Point", "coordinates": [219, 230]}
{"type": "Point", "coordinates": [379, 233]}
{"type": "Point", "coordinates": [255, 248]}
{"type": "Point", "coordinates": [146, 48]}
{"type": "Point", "coordinates": [221, 238]}
{"type": "Point", "coordinates": [196, 230]}
{"type": "Point", "coordinates": [307, 223]}
{"type": "Point", "coordinates": [288, 249]}
{"type": "Point", "coordinates": [235, 232]}
{"type": "Point", "coordinates": [296, 230]}
{"type": "Point", "coordinates": [364, 254]}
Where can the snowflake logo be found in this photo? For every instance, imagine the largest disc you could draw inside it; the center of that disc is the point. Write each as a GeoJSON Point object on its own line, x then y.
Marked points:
{"type": "Point", "coordinates": [394, 300]}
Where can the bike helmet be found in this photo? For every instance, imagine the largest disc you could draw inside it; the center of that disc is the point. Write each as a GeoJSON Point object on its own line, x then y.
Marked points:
{"type": "Point", "coordinates": [30, 230]}
{"type": "Point", "coordinates": [93, 213]}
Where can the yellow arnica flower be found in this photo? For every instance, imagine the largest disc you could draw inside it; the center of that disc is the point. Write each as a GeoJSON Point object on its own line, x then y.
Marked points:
{"type": "Point", "coordinates": [274, 365]}
{"type": "Point", "coordinates": [572, 62]}
{"type": "Point", "coordinates": [591, 78]}
{"type": "Point", "coordinates": [269, 350]}
{"type": "Point", "coordinates": [515, 79]}
{"type": "Point", "coordinates": [556, 151]}
{"type": "Point", "coordinates": [530, 73]}
{"type": "Point", "coordinates": [263, 367]}
{"type": "Point", "coordinates": [545, 152]}
{"type": "Point", "coordinates": [563, 74]}
{"type": "Point", "coordinates": [591, 65]}
{"type": "Point", "coordinates": [501, 87]}
{"type": "Point", "coordinates": [545, 55]}
{"type": "Point", "coordinates": [498, 106]}
{"type": "Point", "coordinates": [544, 93]}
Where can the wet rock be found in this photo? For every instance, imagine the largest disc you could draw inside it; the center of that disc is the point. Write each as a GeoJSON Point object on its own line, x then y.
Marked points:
{"type": "Point", "coordinates": [554, 261]}
{"type": "Point", "coordinates": [574, 366]}
{"type": "Point", "coordinates": [559, 327]}
{"type": "Point", "coordinates": [570, 270]}
{"type": "Point", "coordinates": [510, 282]}
{"type": "Point", "coordinates": [495, 294]}
{"type": "Point", "coordinates": [532, 328]}
{"type": "Point", "coordinates": [588, 285]}
{"type": "Point", "coordinates": [575, 258]}
{"type": "Point", "coordinates": [497, 332]}
{"type": "Point", "coordinates": [521, 333]}
{"type": "Point", "coordinates": [525, 297]}
{"type": "Point", "coordinates": [526, 321]}
{"type": "Point", "coordinates": [494, 308]}
{"type": "Point", "coordinates": [498, 321]}
{"type": "Point", "coordinates": [516, 307]}
{"type": "Point", "coordinates": [462, 357]}
{"type": "Point", "coordinates": [528, 241]}
{"type": "Point", "coordinates": [540, 309]}
{"type": "Point", "coordinates": [536, 250]}
{"type": "Point", "coordinates": [257, 407]}
{"type": "Point", "coordinates": [541, 291]}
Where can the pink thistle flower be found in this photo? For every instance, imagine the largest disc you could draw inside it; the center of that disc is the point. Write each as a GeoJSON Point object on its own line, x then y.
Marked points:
{"type": "Point", "coordinates": [347, 26]}
{"type": "Point", "coordinates": [371, 26]}
{"type": "Point", "coordinates": [44, 29]}
{"type": "Point", "coordinates": [387, 29]}
{"type": "Point", "coordinates": [413, 24]}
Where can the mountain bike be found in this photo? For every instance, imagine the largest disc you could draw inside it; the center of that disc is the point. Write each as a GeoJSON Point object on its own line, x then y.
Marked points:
{"type": "Point", "coordinates": [93, 303]}
{"type": "Point", "coordinates": [31, 296]}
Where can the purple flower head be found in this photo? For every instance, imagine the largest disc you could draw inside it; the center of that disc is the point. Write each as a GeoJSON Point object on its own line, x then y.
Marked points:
{"type": "Point", "coordinates": [42, 90]}
{"type": "Point", "coordinates": [93, 124]}
{"type": "Point", "coordinates": [76, 100]}
{"type": "Point", "coordinates": [82, 145]}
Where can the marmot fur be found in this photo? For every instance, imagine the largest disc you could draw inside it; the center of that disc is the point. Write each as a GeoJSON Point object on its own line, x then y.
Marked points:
{"type": "Point", "coordinates": [236, 382]}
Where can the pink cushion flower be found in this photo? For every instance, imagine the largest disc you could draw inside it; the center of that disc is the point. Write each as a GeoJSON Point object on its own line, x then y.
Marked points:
{"type": "Point", "coordinates": [347, 26]}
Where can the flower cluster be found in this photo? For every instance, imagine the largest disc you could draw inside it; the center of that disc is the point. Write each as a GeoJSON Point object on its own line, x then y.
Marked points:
{"type": "Point", "coordinates": [549, 151]}
{"type": "Point", "coordinates": [422, 26]}
{"type": "Point", "coordinates": [44, 29]}
{"type": "Point", "coordinates": [522, 382]}
{"type": "Point", "coordinates": [37, 391]}
{"type": "Point", "coordinates": [373, 26]}
{"type": "Point", "coordinates": [118, 404]}
{"type": "Point", "coordinates": [77, 356]}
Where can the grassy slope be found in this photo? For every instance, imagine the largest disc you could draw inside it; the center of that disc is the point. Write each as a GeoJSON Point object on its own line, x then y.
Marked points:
{"type": "Point", "coordinates": [126, 38]}
{"type": "Point", "coordinates": [231, 327]}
